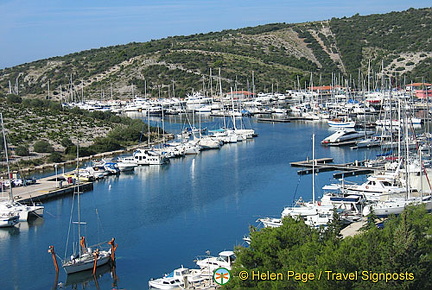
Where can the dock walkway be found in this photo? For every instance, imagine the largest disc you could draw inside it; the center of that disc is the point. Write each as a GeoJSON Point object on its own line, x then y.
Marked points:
{"type": "Point", "coordinates": [353, 229]}
{"type": "Point", "coordinates": [47, 188]}
{"type": "Point", "coordinates": [322, 165]}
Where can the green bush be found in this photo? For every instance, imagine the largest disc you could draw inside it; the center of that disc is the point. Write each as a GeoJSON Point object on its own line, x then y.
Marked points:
{"type": "Point", "coordinates": [22, 151]}
{"type": "Point", "coordinates": [55, 157]}
{"type": "Point", "coordinates": [43, 147]}
{"type": "Point", "coordinates": [13, 99]}
{"type": "Point", "coordinates": [66, 142]}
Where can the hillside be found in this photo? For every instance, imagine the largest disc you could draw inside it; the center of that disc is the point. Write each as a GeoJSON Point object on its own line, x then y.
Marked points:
{"type": "Point", "coordinates": [42, 131]}
{"type": "Point", "coordinates": [281, 56]}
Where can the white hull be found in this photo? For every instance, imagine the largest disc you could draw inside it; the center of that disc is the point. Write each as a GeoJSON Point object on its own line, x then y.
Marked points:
{"type": "Point", "coordinates": [395, 206]}
{"type": "Point", "coordinates": [271, 222]}
{"type": "Point", "coordinates": [224, 260]}
{"type": "Point", "coordinates": [343, 135]}
{"type": "Point", "coordinates": [125, 166]}
{"type": "Point", "coordinates": [23, 211]}
{"type": "Point", "coordinates": [336, 124]}
{"type": "Point", "coordinates": [148, 157]}
{"type": "Point", "coordinates": [86, 262]}
{"type": "Point", "coordinates": [8, 221]}
{"type": "Point", "coordinates": [178, 278]}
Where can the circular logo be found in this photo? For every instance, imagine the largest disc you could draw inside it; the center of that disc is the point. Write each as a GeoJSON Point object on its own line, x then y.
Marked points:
{"type": "Point", "coordinates": [221, 276]}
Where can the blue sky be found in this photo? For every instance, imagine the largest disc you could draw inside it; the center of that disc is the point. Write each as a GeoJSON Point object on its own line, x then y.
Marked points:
{"type": "Point", "coordinates": [37, 29]}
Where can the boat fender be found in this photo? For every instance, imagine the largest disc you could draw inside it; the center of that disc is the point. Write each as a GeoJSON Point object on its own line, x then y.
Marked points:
{"type": "Point", "coordinates": [319, 203]}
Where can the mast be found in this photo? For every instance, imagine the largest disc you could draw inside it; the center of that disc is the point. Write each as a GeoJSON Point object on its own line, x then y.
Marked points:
{"type": "Point", "coordinates": [233, 116]}
{"type": "Point", "coordinates": [78, 199]}
{"type": "Point", "coordinates": [7, 158]}
{"type": "Point", "coordinates": [313, 168]}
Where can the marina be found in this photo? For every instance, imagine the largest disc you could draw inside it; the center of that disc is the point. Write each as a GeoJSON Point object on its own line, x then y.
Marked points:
{"type": "Point", "coordinates": [155, 210]}
{"type": "Point", "coordinates": [138, 152]}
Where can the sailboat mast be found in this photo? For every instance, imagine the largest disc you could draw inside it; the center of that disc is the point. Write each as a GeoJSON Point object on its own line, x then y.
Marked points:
{"type": "Point", "coordinates": [78, 199]}
{"type": "Point", "coordinates": [7, 158]}
{"type": "Point", "coordinates": [313, 168]}
{"type": "Point", "coordinates": [232, 105]}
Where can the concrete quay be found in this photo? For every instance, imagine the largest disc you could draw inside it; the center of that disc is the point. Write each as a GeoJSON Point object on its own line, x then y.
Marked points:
{"type": "Point", "coordinates": [48, 188]}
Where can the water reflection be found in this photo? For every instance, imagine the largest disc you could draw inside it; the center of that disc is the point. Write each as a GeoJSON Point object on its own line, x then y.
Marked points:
{"type": "Point", "coordinates": [6, 233]}
{"type": "Point", "coordinates": [86, 279]}
{"type": "Point", "coordinates": [31, 223]}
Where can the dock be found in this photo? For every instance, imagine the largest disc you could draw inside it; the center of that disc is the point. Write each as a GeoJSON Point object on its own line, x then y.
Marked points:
{"type": "Point", "coordinates": [353, 229]}
{"type": "Point", "coordinates": [274, 120]}
{"type": "Point", "coordinates": [48, 188]}
{"type": "Point", "coordinates": [323, 165]}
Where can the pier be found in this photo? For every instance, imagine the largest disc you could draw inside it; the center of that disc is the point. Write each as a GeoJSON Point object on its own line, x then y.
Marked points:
{"type": "Point", "coordinates": [274, 120]}
{"type": "Point", "coordinates": [48, 188]}
{"type": "Point", "coordinates": [322, 165]}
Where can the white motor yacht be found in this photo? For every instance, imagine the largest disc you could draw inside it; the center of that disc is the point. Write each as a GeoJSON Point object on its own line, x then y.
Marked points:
{"type": "Point", "coordinates": [126, 164]}
{"type": "Point", "coordinates": [178, 279]}
{"type": "Point", "coordinates": [224, 260]}
{"type": "Point", "coordinates": [343, 135]}
{"type": "Point", "coordinates": [148, 157]}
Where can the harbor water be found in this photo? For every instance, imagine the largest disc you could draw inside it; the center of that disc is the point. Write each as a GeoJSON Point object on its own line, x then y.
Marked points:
{"type": "Point", "coordinates": [165, 216]}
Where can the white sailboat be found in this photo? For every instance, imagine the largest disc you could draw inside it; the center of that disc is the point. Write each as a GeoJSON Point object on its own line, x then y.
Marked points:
{"type": "Point", "coordinates": [87, 258]}
{"type": "Point", "coordinates": [10, 208]}
{"type": "Point", "coordinates": [304, 209]}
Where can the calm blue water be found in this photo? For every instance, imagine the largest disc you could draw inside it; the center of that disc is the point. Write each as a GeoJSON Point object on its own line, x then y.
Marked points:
{"type": "Point", "coordinates": [164, 217]}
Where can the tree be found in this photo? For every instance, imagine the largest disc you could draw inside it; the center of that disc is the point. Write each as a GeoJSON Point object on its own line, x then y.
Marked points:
{"type": "Point", "coordinates": [66, 142]}
{"type": "Point", "coordinates": [55, 157]}
{"type": "Point", "coordinates": [43, 147]}
{"type": "Point", "coordinates": [13, 99]}
{"type": "Point", "coordinates": [402, 250]}
{"type": "Point", "coordinates": [22, 150]}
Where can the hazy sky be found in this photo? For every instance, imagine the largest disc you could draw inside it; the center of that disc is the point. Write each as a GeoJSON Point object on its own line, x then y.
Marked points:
{"type": "Point", "coordinates": [37, 29]}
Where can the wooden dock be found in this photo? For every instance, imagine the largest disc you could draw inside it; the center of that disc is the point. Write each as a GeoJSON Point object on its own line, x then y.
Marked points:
{"type": "Point", "coordinates": [274, 120]}
{"type": "Point", "coordinates": [322, 165]}
{"type": "Point", "coordinates": [48, 188]}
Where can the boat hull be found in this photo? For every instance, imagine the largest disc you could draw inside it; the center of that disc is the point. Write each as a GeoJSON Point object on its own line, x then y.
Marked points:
{"type": "Point", "coordinates": [336, 124]}
{"type": "Point", "coordinates": [86, 262]}
{"type": "Point", "coordinates": [8, 221]}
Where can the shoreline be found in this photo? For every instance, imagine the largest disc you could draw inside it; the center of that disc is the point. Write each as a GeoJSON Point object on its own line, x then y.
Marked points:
{"type": "Point", "coordinates": [48, 166]}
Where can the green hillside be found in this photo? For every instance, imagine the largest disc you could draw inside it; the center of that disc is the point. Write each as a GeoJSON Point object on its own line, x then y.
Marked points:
{"type": "Point", "coordinates": [279, 56]}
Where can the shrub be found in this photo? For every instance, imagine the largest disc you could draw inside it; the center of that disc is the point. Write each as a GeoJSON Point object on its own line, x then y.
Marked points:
{"type": "Point", "coordinates": [13, 99]}
{"type": "Point", "coordinates": [43, 147]}
{"type": "Point", "coordinates": [55, 157]}
{"type": "Point", "coordinates": [22, 151]}
{"type": "Point", "coordinates": [66, 142]}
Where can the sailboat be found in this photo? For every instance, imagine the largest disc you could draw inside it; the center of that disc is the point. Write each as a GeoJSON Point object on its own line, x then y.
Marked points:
{"type": "Point", "coordinates": [305, 210]}
{"type": "Point", "coordinates": [86, 258]}
{"type": "Point", "coordinates": [12, 212]}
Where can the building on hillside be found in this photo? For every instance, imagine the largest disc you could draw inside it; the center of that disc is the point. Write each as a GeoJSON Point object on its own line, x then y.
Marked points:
{"type": "Point", "coordinates": [420, 90]}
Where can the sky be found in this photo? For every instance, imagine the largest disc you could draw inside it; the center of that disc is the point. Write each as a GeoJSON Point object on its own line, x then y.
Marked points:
{"type": "Point", "coordinates": [36, 29]}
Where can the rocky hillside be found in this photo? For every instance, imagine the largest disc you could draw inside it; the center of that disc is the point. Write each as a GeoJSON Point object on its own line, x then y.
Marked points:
{"type": "Point", "coordinates": [271, 57]}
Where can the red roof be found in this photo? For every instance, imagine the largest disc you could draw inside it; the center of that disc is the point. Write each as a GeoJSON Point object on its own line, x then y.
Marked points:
{"type": "Point", "coordinates": [242, 93]}
{"type": "Point", "coordinates": [418, 84]}
{"type": "Point", "coordinates": [323, 88]}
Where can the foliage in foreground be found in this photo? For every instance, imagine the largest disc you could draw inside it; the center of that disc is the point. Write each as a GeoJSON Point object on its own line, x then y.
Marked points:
{"type": "Point", "coordinates": [399, 256]}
